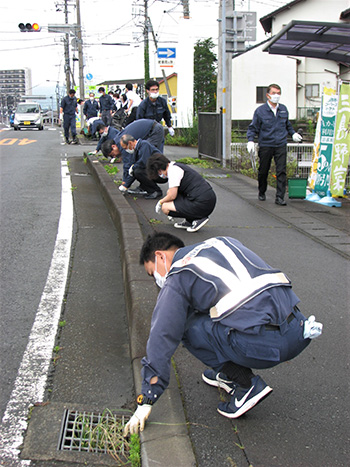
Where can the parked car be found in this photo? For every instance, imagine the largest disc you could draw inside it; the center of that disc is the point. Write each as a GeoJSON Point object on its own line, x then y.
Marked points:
{"type": "Point", "coordinates": [28, 115]}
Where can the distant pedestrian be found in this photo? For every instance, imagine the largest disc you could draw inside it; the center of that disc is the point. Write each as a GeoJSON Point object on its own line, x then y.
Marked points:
{"type": "Point", "coordinates": [91, 107]}
{"type": "Point", "coordinates": [154, 106]}
{"type": "Point", "coordinates": [230, 309]}
{"type": "Point", "coordinates": [69, 109]}
{"type": "Point", "coordinates": [133, 101]}
{"type": "Point", "coordinates": [271, 125]}
{"type": "Point", "coordinates": [106, 103]}
{"type": "Point", "coordinates": [189, 196]}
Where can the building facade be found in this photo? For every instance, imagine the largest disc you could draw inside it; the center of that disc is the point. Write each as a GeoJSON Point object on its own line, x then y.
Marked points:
{"type": "Point", "coordinates": [13, 85]}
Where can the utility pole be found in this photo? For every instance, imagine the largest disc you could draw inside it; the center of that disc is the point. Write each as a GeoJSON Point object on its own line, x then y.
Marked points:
{"type": "Point", "coordinates": [66, 49]}
{"type": "Point", "coordinates": [81, 61]}
{"type": "Point", "coordinates": [225, 79]}
{"type": "Point", "coordinates": [146, 43]}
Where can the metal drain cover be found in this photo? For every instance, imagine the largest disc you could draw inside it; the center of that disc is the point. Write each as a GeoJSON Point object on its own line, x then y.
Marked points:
{"type": "Point", "coordinates": [93, 432]}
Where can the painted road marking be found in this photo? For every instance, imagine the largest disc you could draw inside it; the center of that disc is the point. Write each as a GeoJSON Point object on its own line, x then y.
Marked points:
{"type": "Point", "coordinates": [21, 142]}
{"type": "Point", "coordinates": [29, 386]}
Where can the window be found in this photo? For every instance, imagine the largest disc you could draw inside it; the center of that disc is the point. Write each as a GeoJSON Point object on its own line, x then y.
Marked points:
{"type": "Point", "coordinates": [312, 90]}
{"type": "Point", "coordinates": [261, 94]}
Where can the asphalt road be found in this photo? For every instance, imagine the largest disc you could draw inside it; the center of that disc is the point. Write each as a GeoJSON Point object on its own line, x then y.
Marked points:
{"type": "Point", "coordinates": [30, 207]}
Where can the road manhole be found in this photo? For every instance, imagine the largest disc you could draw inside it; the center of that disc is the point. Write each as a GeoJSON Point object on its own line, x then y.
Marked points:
{"type": "Point", "coordinates": [94, 432]}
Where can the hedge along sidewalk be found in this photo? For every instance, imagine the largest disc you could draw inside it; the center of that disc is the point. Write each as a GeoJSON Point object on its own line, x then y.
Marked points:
{"type": "Point", "coordinates": [165, 440]}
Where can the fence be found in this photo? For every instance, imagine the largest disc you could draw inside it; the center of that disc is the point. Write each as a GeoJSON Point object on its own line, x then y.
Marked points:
{"type": "Point", "coordinates": [302, 153]}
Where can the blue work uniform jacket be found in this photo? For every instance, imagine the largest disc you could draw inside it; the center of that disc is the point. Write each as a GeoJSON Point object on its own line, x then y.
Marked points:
{"type": "Point", "coordinates": [156, 110]}
{"type": "Point", "coordinates": [271, 130]}
{"type": "Point", "coordinates": [219, 277]}
{"type": "Point", "coordinates": [143, 151]}
{"type": "Point", "coordinates": [111, 134]}
{"type": "Point", "coordinates": [90, 109]}
{"type": "Point", "coordinates": [69, 105]}
{"type": "Point", "coordinates": [106, 102]}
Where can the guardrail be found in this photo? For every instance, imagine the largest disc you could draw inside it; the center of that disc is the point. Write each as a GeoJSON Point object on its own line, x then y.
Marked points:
{"type": "Point", "coordinates": [302, 153]}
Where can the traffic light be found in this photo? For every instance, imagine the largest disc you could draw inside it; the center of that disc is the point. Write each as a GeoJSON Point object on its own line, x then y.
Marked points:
{"type": "Point", "coordinates": [29, 27]}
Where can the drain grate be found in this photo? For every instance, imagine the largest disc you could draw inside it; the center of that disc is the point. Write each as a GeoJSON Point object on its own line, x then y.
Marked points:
{"type": "Point", "coordinates": [93, 432]}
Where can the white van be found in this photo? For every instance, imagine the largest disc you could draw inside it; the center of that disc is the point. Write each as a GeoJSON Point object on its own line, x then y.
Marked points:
{"type": "Point", "coordinates": [28, 115]}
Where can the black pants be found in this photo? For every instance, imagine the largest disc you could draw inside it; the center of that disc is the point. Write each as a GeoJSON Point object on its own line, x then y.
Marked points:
{"type": "Point", "coordinates": [69, 123]}
{"type": "Point", "coordinates": [145, 183]}
{"type": "Point", "coordinates": [265, 157]}
{"type": "Point", "coordinates": [131, 118]}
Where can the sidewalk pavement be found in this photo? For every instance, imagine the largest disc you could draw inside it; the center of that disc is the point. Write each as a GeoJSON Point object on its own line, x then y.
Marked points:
{"type": "Point", "coordinates": [165, 441]}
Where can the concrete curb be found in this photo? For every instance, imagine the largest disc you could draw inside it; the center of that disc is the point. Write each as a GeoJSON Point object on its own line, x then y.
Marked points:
{"type": "Point", "coordinates": [166, 441]}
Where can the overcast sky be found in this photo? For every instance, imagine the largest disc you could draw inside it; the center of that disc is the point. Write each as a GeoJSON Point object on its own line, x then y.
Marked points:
{"type": "Point", "coordinates": [104, 21]}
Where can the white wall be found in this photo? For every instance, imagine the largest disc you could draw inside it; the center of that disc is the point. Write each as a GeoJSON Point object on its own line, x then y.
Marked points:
{"type": "Point", "coordinates": [185, 73]}
{"type": "Point", "coordinates": [257, 68]}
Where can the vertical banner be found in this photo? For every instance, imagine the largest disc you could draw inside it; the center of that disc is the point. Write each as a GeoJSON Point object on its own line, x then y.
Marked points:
{"type": "Point", "coordinates": [341, 146]}
{"type": "Point", "coordinates": [328, 117]}
{"type": "Point", "coordinates": [315, 154]}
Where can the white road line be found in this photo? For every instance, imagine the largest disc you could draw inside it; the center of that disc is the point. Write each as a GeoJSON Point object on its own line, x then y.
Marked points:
{"type": "Point", "coordinates": [32, 375]}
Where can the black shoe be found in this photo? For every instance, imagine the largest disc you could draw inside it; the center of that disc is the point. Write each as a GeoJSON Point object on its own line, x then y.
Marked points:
{"type": "Point", "coordinates": [154, 195]}
{"type": "Point", "coordinates": [137, 191]}
{"type": "Point", "coordinates": [280, 201]}
{"type": "Point", "coordinates": [67, 141]}
{"type": "Point", "coordinates": [262, 197]}
{"type": "Point", "coordinates": [75, 141]}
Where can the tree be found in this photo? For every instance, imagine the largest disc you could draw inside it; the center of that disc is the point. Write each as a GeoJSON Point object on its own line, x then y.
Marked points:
{"type": "Point", "coordinates": [205, 76]}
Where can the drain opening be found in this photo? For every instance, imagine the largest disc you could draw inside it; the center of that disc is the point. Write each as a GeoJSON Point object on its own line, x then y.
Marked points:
{"type": "Point", "coordinates": [93, 432]}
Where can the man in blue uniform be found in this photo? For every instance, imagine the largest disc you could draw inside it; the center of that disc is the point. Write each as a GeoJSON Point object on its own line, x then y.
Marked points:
{"type": "Point", "coordinates": [230, 309]}
{"type": "Point", "coordinates": [271, 125]}
{"type": "Point", "coordinates": [155, 107]}
{"type": "Point", "coordinates": [69, 108]}
{"type": "Point", "coordinates": [91, 107]}
{"type": "Point", "coordinates": [141, 152]}
{"type": "Point", "coordinates": [106, 103]}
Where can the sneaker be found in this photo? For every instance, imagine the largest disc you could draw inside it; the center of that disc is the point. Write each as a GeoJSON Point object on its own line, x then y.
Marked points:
{"type": "Point", "coordinates": [219, 380]}
{"type": "Point", "coordinates": [67, 141]}
{"type": "Point", "coordinates": [182, 225]}
{"type": "Point", "coordinates": [137, 191]}
{"type": "Point", "coordinates": [244, 399]}
{"type": "Point", "coordinates": [171, 219]}
{"type": "Point", "coordinates": [198, 224]}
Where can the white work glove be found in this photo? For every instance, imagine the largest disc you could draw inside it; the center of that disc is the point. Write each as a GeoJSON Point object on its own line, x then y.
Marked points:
{"type": "Point", "coordinates": [297, 138]}
{"type": "Point", "coordinates": [158, 207]}
{"type": "Point", "coordinates": [250, 146]}
{"type": "Point", "coordinates": [171, 131]}
{"type": "Point", "coordinates": [131, 170]}
{"type": "Point", "coordinates": [138, 419]}
{"type": "Point", "coordinates": [123, 188]}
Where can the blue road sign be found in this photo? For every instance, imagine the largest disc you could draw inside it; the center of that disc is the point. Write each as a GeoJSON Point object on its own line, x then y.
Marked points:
{"type": "Point", "coordinates": [89, 76]}
{"type": "Point", "coordinates": [167, 52]}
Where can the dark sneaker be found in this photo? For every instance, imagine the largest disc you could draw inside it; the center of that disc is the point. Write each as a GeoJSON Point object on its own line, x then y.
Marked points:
{"type": "Point", "coordinates": [67, 141]}
{"type": "Point", "coordinates": [262, 197]}
{"type": "Point", "coordinates": [198, 224]}
{"type": "Point", "coordinates": [137, 191]}
{"type": "Point", "coordinates": [244, 399]}
{"type": "Point", "coordinates": [219, 380]}
{"type": "Point", "coordinates": [154, 195]}
{"type": "Point", "coordinates": [280, 201]}
{"type": "Point", "coordinates": [182, 225]}
{"type": "Point", "coordinates": [75, 141]}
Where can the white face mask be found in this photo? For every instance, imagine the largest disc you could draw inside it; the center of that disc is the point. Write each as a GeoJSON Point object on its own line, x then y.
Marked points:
{"type": "Point", "coordinates": [92, 99]}
{"type": "Point", "coordinates": [130, 151]}
{"type": "Point", "coordinates": [154, 95]}
{"type": "Point", "coordinates": [104, 133]}
{"type": "Point", "coordinates": [275, 98]}
{"type": "Point", "coordinates": [162, 176]}
{"type": "Point", "coordinates": [160, 280]}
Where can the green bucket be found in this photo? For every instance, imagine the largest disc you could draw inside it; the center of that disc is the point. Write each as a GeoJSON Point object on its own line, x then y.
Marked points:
{"type": "Point", "coordinates": [297, 187]}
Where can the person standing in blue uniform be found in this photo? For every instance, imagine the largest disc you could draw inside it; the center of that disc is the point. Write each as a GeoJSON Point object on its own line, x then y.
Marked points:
{"type": "Point", "coordinates": [229, 308]}
{"type": "Point", "coordinates": [271, 125]}
{"type": "Point", "coordinates": [69, 109]}
{"type": "Point", "coordinates": [155, 107]}
{"type": "Point", "coordinates": [106, 103]}
{"type": "Point", "coordinates": [91, 107]}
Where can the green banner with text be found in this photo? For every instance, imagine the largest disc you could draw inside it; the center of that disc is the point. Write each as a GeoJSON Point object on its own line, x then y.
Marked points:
{"type": "Point", "coordinates": [341, 145]}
